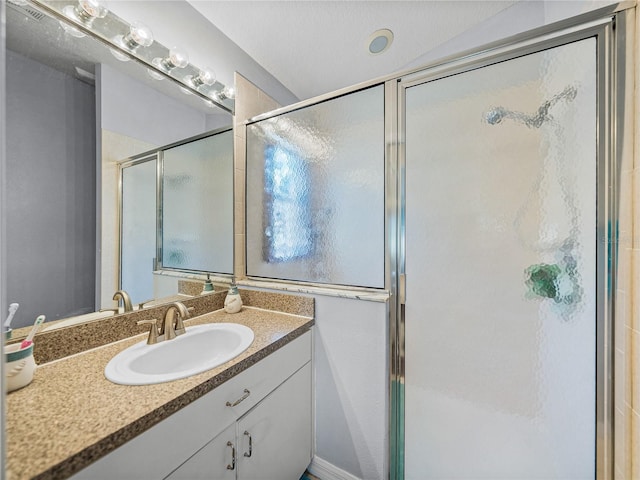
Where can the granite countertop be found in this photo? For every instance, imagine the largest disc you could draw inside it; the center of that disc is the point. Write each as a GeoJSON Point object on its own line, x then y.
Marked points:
{"type": "Point", "coordinates": [71, 415]}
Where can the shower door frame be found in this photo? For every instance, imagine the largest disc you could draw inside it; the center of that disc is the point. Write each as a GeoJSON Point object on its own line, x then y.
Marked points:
{"type": "Point", "coordinates": [610, 26]}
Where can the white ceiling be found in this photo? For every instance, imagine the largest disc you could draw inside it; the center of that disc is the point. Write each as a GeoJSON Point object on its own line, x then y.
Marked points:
{"type": "Point", "coordinates": [314, 47]}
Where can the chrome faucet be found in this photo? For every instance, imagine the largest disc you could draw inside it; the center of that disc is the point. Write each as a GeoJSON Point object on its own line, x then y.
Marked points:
{"type": "Point", "coordinates": [126, 300]}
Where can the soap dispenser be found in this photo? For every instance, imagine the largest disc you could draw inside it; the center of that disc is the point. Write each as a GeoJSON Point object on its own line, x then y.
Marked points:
{"type": "Point", "coordinates": [233, 302]}
{"type": "Point", "coordinates": [208, 286]}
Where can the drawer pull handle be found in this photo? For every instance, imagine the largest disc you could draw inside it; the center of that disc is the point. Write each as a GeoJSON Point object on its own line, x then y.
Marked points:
{"type": "Point", "coordinates": [233, 457]}
{"type": "Point", "coordinates": [240, 400]}
{"type": "Point", "coordinates": [250, 445]}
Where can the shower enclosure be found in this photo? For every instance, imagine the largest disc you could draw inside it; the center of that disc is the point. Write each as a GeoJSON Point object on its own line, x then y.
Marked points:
{"type": "Point", "coordinates": [501, 255]}
{"type": "Point", "coordinates": [501, 171]}
{"type": "Point", "coordinates": [507, 251]}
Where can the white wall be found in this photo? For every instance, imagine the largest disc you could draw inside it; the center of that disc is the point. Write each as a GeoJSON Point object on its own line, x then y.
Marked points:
{"type": "Point", "coordinates": [519, 18]}
{"type": "Point", "coordinates": [351, 385]}
{"type": "Point", "coordinates": [350, 362]}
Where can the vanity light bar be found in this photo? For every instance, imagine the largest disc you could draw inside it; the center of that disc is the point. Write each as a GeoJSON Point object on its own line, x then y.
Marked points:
{"type": "Point", "coordinates": [134, 41]}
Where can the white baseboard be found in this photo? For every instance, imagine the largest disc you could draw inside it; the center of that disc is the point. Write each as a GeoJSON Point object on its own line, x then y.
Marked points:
{"type": "Point", "coordinates": [327, 471]}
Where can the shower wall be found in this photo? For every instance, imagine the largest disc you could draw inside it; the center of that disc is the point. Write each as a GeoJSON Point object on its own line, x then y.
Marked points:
{"type": "Point", "coordinates": [627, 336]}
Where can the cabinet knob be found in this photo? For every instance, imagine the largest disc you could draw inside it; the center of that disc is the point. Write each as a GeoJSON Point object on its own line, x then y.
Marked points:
{"type": "Point", "coordinates": [248, 454]}
{"type": "Point", "coordinates": [232, 466]}
{"type": "Point", "coordinates": [240, 400]}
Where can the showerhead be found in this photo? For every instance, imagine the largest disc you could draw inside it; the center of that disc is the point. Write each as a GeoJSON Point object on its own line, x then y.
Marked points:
{"type": "Point", "coordinates": [497, 114]}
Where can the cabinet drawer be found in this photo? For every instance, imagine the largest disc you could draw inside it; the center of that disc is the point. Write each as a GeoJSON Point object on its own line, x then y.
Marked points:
{"type": "Point", "coordinates": [264, 377]}
{"type": "Point", "coordinates": [158, 451]}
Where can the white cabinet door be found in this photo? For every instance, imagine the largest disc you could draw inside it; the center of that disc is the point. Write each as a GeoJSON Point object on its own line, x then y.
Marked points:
{"type": "Point", "coordinates": [217, 460]}
{"type": "Point", "coordinates": [275, 437]}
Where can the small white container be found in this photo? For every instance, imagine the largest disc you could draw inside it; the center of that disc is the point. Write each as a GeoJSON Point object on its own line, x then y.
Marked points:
{"type": "Point", "coordinates": [19, 366]}
{"type": "Point", "coordinates": [233, 302]}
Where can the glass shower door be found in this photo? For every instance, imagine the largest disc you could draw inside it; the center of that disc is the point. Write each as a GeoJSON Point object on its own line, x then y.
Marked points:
{"type": "Point", "coordinates": [501, 254]}
{"type": "Point", "coordinates": [138, 229]}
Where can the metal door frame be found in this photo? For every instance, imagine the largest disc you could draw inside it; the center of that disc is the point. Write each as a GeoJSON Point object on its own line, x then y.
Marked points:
{"type": "Point", "coordinates": [611, 27]}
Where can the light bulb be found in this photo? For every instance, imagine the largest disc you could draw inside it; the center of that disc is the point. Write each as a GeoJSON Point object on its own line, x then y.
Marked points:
{"type": "Point", "coordinates": [139, 36]}
{"type": "Point", "coordinates": [178, 58]}
{"type": "Point", "coordinates": [226, 92]}
{"type": "Point", "coordinates": [85, 12]}
{"type": "Point", "coordinates": [74, 32]}
{"type": "Point", "coordinates": [118, 54]}
{"type": "Point", "coordinates": [206, 76]}
{"type": "Point", "coordinates": [229, 92]}
{"type": "Point", "coordinates": [155, 75]}
{"type": "Point", "coordinates": [89, 10]}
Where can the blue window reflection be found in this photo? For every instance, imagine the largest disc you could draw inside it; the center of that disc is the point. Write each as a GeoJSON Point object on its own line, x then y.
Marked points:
{"type": "Point", "coordinates": [288, 232]}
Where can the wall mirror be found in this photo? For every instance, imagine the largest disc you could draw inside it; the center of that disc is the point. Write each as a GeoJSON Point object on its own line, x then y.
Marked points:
{"type": "Point", "coordinates": [74, 114]}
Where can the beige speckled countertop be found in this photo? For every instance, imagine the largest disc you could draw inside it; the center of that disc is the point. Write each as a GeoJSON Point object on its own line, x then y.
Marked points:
{"type": "Point", "coordinates": [71, 415]}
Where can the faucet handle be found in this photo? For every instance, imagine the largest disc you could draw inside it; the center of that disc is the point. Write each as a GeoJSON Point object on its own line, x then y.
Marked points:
{"type": "Point", "coordinates": [114, 310]}
{"type": "Point", "coordinates": [153, 332]}
{"type": "Point", "coordinates": [180, 328]}
{"type": "Point", "coordinates": [142, 304]}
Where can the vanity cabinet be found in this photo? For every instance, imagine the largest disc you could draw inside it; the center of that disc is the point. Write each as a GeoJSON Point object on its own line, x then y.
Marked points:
{"type": "Point", "coordinates": [271, 441]}
{"type": "Point", "coordinates": [270, 400]}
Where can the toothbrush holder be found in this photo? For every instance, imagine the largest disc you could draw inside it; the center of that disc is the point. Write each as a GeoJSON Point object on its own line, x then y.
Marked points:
{"type": "Point", "coordinates": [19, 366]}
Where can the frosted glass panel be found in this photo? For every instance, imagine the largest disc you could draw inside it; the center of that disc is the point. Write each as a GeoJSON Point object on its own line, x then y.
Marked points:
{"type": "Point", "coordinates": [138, 248]}
{"type": "Point", "coordinates": [197, 207]}
{"type": "Point", "coordinates": [315, 193]}
{"type": "Point", "coordinates": [501, 270]}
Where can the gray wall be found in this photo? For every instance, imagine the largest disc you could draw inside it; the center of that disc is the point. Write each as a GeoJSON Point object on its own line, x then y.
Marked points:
{"type": "Point", "coordinates": [50, 257]}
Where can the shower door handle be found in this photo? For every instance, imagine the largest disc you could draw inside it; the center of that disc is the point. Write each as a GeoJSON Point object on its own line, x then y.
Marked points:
{"type": "Point", "coordinates": [402, 288]}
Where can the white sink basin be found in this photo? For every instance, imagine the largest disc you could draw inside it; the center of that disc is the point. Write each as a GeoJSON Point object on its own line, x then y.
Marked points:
{"type": "Point", "coordinates": [201, 348]}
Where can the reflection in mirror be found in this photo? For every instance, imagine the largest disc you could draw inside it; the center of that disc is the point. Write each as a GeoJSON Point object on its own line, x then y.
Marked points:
{"type": "Point", "coordinates": [195, 178]}
{"type": "Point", "coordinates": [138, 226]}
{"type": "Point", "coordinates": [73, 114]}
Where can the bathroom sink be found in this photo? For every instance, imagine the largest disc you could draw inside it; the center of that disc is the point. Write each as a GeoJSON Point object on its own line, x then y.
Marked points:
{"type": "Point", "coordinates": [201, 348]}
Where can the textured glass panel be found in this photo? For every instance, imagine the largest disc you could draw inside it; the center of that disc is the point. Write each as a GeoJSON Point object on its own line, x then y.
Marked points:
{"type": "Point", "coordinates": [197, 205]}
{"type": "Point", "coordinates": [501, 270]}
{"type": "Point", "coordinates": [315, 193]}
{"type": "Point", "coordinates": [138, 230]}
